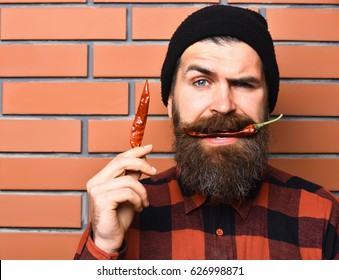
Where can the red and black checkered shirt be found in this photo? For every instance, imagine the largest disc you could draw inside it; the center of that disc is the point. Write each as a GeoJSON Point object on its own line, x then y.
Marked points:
{"type": "Point", "coordinates": [285, 217]}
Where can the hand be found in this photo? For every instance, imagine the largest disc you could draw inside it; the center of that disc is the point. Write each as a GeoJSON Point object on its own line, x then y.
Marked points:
{"type": "Point", "coordinates": [115, 194]}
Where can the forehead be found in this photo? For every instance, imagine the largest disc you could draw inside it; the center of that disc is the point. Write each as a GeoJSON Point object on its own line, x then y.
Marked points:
{"type": "Point", "coordinates": [227, 53]}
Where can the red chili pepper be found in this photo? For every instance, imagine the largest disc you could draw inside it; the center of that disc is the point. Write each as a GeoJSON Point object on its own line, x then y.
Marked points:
{"type": "Point", "coordinates": [247, 131]}
{"type": "Point", "coordinates": [139, 123]}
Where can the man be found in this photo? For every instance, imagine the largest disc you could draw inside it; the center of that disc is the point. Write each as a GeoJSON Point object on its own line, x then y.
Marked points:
{"type": "Point", "coordinates": [222, 200]}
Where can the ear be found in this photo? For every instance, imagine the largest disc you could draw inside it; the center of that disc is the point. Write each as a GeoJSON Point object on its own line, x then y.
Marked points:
{"type": "Point", "coordinates": [169, 105]}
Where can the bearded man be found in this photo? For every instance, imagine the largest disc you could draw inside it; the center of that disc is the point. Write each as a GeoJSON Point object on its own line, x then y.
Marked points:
{"type": "Point", "coordinates": [222, 200]}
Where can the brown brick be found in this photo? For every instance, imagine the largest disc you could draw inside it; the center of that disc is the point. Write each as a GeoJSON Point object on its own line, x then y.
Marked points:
{"type": "Point", "coordinates": [63, 23]}
{"type": "Point", "coordinates": [128, 60]}
{"type": "Point", "coordinates": [80, 98]}
{"type": "Point", "coordinates": [157, 23]}
{"type": "Point", "coordinates": [40, 135]}
{"type": "Point", "coordinates": [48, 173]}
{"type": "Point", "coordinates": [43, 60]}
{"type": "Point", "coordinates": [316, 24]}
{"type": "Point", "coordinates": [305, 137]}
{"type": "Point", "coordinates": [308, 61]}
{"type": "Point", "coordinates": [51, 211]}
{"type": "Point", "coordinates": [308, 99]}
{"type": "Point", "coordinates": [113, 135]}
{"type": "Point", "coordinates": [38, 245]}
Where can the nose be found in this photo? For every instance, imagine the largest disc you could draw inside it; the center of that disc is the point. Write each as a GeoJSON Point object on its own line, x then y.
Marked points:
{"type": "Point", "coordinates": [222, 100]}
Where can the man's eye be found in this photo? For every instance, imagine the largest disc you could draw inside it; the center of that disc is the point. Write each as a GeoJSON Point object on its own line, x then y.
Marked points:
{"type": "Point", "coordinates": [201, 83]}
{"type": "Point", "coordinates": [242, 84]}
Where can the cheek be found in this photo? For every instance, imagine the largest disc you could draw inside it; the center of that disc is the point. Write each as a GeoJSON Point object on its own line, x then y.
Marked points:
{"type": "Point", "coordinates": [190, 109]}
{"type": "Point", "coordinates": [254, 106]}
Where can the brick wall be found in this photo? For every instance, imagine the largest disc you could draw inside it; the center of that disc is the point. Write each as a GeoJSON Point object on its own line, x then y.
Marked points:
{"type": "Point", "coordinates": [71, 73]}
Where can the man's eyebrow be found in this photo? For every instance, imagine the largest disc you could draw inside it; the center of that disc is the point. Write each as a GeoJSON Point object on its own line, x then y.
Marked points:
{"type": "Point", "coordinates": [200, 69]}
{"type": "Point", "coordinates": [246, 79]}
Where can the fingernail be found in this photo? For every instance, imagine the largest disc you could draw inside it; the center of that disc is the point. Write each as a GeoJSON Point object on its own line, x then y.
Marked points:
{"type": "Point", "coordinates": [154, 170]}
{"type": "Point", "coordinates": [148, 146]}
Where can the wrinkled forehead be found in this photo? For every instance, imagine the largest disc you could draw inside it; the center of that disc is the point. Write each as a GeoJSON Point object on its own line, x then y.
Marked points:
{"type": "Point", "coordinates": [211, 55]}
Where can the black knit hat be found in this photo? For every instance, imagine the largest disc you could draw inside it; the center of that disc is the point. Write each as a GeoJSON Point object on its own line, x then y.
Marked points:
{"type": "Point", "coordinates": [222, 20]}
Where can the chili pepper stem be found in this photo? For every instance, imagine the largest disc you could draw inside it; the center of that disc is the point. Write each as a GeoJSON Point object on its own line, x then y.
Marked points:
{"type": "Point", "coordinates": [260, 125]}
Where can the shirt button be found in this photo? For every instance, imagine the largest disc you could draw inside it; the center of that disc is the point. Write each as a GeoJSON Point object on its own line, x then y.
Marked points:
{"type": "Point", "coordinates": [219, 232]}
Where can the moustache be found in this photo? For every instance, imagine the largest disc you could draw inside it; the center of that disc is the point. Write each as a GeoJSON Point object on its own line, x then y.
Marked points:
{"type": "Point", "coordinates": [217, 125]}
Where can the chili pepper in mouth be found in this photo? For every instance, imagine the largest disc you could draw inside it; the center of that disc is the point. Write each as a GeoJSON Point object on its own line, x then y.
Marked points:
{"type": "Point", "coordinates": [139, 123]}
{"type": "Point", "coordinates": [247, 131]}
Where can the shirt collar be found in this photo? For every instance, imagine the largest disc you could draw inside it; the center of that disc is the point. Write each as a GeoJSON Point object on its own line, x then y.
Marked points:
{"type": "Point", "coordinates": [193, 202]}
{"type": "Point", "coordinates": [196, 200]}
{"type": "Point", "coordinates": [243, 207]}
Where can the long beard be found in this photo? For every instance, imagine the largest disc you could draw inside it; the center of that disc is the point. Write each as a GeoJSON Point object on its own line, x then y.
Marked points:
{"type": "Point", "coordinates": [225, 173]}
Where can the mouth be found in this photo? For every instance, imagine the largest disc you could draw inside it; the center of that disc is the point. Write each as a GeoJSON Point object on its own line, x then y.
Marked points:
{"type": "Point", "coordinates": [221, 134]}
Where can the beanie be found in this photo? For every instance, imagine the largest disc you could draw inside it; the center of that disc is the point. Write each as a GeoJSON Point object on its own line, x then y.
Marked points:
{"type": "Point", "coordinates": [223, 20]}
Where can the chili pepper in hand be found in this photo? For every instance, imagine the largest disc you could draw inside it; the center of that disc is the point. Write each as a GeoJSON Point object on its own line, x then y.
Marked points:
{"type": "Point", "coordinates": [139, 123]}
{"type": "Point", "coordinates": [247, 131]}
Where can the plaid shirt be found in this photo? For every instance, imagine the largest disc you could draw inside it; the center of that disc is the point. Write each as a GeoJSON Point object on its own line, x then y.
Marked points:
{"type": "Point", "coordinates": [285, 217]}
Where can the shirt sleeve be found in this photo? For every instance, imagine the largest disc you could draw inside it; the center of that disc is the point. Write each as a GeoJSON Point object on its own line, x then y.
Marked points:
{"type": "Point", "coordinates": [87, 250]}
{"type": "Point", "coordinates": [331, 243]}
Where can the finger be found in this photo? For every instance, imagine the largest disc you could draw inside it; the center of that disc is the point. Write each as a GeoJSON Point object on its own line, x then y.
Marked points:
{"type": "Point", "coordinates": [126, 161]}
{"type": "Point", "coordinates": [115, 199]}
{"type": "Point", "coordinates": [119, 184]}
{"type": "Point", "coordinates": [138, 166]}
{"type": "Point", "coordinates": [124, 197]}
{"type": "Point", "coordinates": [135, 164]}
{"type": "Point", "coordinates": [137, 151]}
{"type": "Point", "coordinates": [134, 174]}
